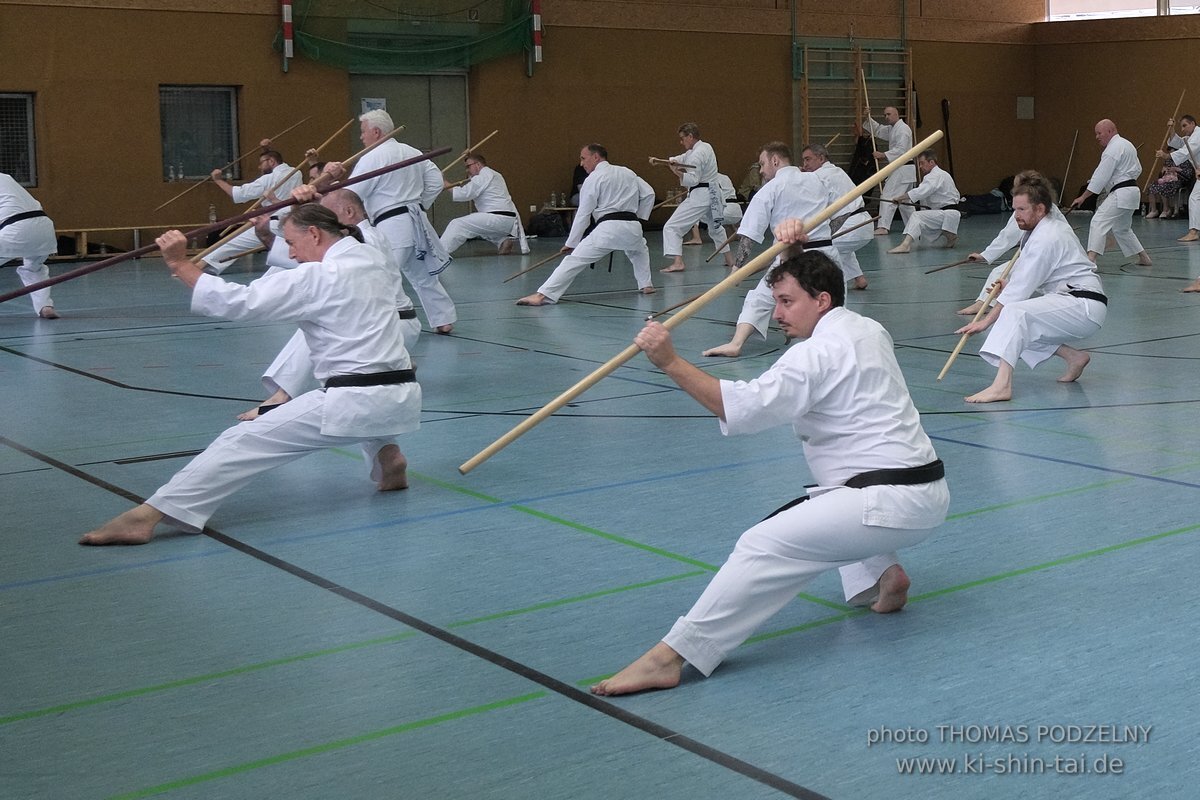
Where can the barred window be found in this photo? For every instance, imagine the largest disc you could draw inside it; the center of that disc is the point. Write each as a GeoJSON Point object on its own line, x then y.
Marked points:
{"type": "Point", "coordinates": [18, 157]}
{"type": "Point", "coordinates": [199, 130]}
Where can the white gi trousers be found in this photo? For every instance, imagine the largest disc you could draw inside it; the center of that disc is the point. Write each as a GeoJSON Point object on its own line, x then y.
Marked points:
{"type": "Point", "coordinates": [287, 433]}
{"type": "Point", "coordinates": [292, 369]}
{"type": "Point", "coordinates": [696, 207]}
{"type": "Point", "coordinates": [898, 183]}
{"type": "Point", "coordinates": [1033, 329]}
{"type": "Point", "coordinates": [1115, 215]}
{"type": "Point", "coordinates": [483, 225]}
{"type": "Point", "coordinates": [246, 240]}
{"type": "Point", "coordinates": [928, 224]}
{"type": "Point", "coordinates": [611, 235]}
{"type": "Point", "coordinates": [433, 297]}
{"type": "Point", "coordinates": [1194, 207]}
{"type": "Point", "coordinates": [847, 246]}
{"type": "Point", "coordinates": [33, 241]}
{"type": "Point", "coordinates": [772, 562]}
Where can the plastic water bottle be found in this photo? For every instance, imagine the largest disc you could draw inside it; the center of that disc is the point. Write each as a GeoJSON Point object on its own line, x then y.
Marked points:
{"type": "Point", "coordinates": [212, 212]}
{"type": "Point", "coordinates": [171, 173]}
{"type": "Point", "coordinates": [554, 199]}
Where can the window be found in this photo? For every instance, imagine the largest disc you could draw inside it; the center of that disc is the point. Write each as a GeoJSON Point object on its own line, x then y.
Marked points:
{"type": "Point", "coordinates": [1096, 9]}
{"type": "Point", "coordinates": [17, 155]}
{"type": "Point", "coordinates": [199, 130]}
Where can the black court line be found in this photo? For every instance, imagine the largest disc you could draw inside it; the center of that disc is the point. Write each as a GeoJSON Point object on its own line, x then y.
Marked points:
{"type": "Point", "coordinates": [565, 690]}
{"type": "Point", "coordinates": [118, 384]}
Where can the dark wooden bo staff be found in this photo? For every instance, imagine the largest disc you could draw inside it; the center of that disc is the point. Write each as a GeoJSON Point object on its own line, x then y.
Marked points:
{"type": "Point", "coordinates": [204, 230]}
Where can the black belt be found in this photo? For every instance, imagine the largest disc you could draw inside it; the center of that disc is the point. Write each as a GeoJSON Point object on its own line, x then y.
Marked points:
{"type": "Point", "coordinates": [372, 378]}
{"type": "Point", "coordinates": [503, 213]}
{"type": "Point", "coordinates": [698, 186]}
{"type": "Point", "coordinates": [903, 476]}
{"type": "Point", "coordinates": [408, 313]}
{"type": "Point", "coordinates": [21, 216]}
{"type": "Point", "coordinates": [623, 216]}
{"type": "Point", "coordinates": [1086, 295]}
{"type": "Point", "coordinates": [1123, 185]}
{"type": "Point", "coordinates": [391, 212]}
{"type": "Point", "coordinates": [814, 244]}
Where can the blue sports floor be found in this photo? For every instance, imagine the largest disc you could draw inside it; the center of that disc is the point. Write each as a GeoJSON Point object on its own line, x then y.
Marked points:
{"type": "Point", "coordinates": [322, 640]}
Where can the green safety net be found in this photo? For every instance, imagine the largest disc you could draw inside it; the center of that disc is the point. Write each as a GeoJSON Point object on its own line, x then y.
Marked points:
{"type": "Point", "coordinates": [400, 36]}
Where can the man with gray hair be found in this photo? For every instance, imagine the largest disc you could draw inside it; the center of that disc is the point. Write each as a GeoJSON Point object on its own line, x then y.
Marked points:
{"type": "Point", "coordinates": [395, 203]}
{"type": "Point", "coordinates": [854, 219]}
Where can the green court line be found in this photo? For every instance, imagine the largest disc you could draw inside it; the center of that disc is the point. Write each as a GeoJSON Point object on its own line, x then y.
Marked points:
{"type": "Point", "coordinates": [327, 747]}
{"type": "Point", "coordinates": [1037, 498]}
{"type": "Point", "coordinates": [278, 662]}
{"type": "Point", "coordinates": [577, 599]}
{"type": "Point", "coordinates": [192, 681]}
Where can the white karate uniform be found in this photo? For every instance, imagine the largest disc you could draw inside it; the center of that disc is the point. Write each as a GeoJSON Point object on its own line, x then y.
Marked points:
{"type": "Point", "coordinates": [292, 369]}
{"type": "Point", "coordinates": [1031, 328]}
{"type": "Point", "coordinates": [489, 192]}
{"type": "Point", "coordinates": [937, 190]}
{"type": "Point", "coordinates": [899, 141]}
{"type": "Point", "coordinates": [345, 305]}
{"type": "Point", "coordinates": [607, 190]}
{"type": "Point", "coordinates": [278, 183]}
{"type": "Point", "coordinates": [31, 240]}
{"type": "Point", "coordinates": [846, 400]}
{"type": "Point", "coordinates": [703, 203]}
{"type": "Point", "coordinates": [1008, 238]}
{"type": "Point", "coordinates": [837, 185]}
{"type": "Point", "coordinates": [790, 194]}
{"type": "Point", "coordinates": [409, 233]}
{"type": "Point", "coordinates": [1187, 151]}
{"type": "Point", "coordinates": [1118, 163]}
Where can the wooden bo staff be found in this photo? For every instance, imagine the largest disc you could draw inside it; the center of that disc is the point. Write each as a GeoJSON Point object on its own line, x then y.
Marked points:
{"type": "Point", "coordinates": [1070, 158]}
{"type": "Point", "coordinates": [544, 261]}
{"type": "Point", "coordinates": [731, 280]}
{"type": "Point", "coordinates": [470, 150]}
{"type": "Point", "coordinates": [721, 246]}
{"type": "Point", "coordinates": [249, 252]}
{"type": "Point", "coordinates": [668, 162]}
{"type": "Point", "coordinates": [230, 164]}
{"type": "Point", "coordinates": [229, 235]}
{"type": "Point", "coordinates": [955, 264]}
{"type": "Point", "coordinates": [867, 102]}
{"type": "Point", "coordinates": [1166, 138]}
{"type": "Point", "coordinates": [987, 304]}
{"type": "Point", "coordinates": [946, 266]}
{"type": "Point", "coordinates": [836, 136]}
{"type": "Point", "coordinates": [204, 230]}
{"type": "Point", "coordinates": [856, 227]}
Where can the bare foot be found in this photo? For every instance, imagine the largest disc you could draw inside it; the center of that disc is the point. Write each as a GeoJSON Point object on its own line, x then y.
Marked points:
{"type": "Point", "coordinates": [274, 401]}
{"type": "Point", "coordinates": [674, 266]}
{"type": "Point", "coordinates": [694, 241]}
{"type": "Point", "coordinates": [1076, 361]}
{"type": "Point", "coordinates": [882, 231]}
{"type": "Point", "coordinates": [971, 310]}
{"type": "Point", "coordinates": [1194, 286]}
{"type": "Point", "coordinates": [1190, 236]}
{"type": "Point", "coordinates": [648, 290]}
{"type": "Point", "coordinates": [443, 330]}
{"type": "Point", "coordinates": [535, 299]}
{"type": "Point", "coordinates": [900, 248]}
{"type": "Point", "coordinates": [506, 246]}
{"type": "Point", "coordinates": [949, 239]}
{"type": "Point", "coordinates": [395, 469]}
{"type": "Point", "coordinates": [729, 350]}
{"type": "Point", "coordinates": [658, 668]}
{"type": "Point", "coordinates": [860, 283]}
{"type": "Point", "coordinates": [48, 312]}
{"type": "Point", "coordinates": [1144, 259]}
{"type": "Point", "coordinates": [893, 590]}
{"type": "Point", "coordinates": [990, 395]}
{"type": "Point", "coordinates": [135, 526]}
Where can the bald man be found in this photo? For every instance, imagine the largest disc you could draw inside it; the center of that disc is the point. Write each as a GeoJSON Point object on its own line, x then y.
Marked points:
{"type": "Point", "coordinates": [1117, 174]}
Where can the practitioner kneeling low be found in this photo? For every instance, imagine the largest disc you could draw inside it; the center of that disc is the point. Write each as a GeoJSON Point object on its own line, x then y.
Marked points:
{"type": "Point", "coordinates": [345, 305]}
{"type": "Point", "coordinates": [880, 485]}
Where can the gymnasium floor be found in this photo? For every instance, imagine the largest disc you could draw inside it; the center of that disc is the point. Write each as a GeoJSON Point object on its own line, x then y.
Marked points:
{"type": "Point", "coordinates": [322, 640]}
